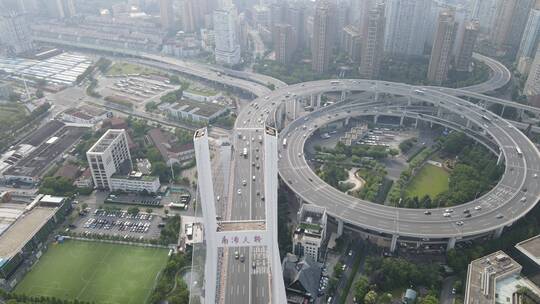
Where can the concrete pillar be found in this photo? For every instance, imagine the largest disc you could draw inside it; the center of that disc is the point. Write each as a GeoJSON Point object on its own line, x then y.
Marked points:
{"type": "Point", "coordinates": [347, 121]}
{"type": "Point", "coordinates": [343, 95]}
{"type": "Point", "coordinates": [319, 99]}
{"type": "Point", "coordinates": [339, 227]}
{"type": "Point", "coordinates": [500, 158]}
{"type": "Point", "coordinates": [502, 111]}
{"type": "Point", "coordinates": [375, 118]}
{"type": "Point", "coordinates": [439, 112]}
{"type": "Point", "coordinates": [416, 123]}
{"type": "Point", "coordinates": [376, 96]}
{"type": "Point", "coordinates": [312, 100]}
{"type": "Point", "coordinates": [401, 120]}
{"type": "Point", "coordinates": [295, 108]}
{"type": "Point", "coordinates": [468, 124]}
{"type": "Point", "coordinates": [520, 114]}
{"type": "Point", "coordinates": [409, 100]}
{"type": "Point", "coordinates": [393, 244]}
{"type": "Point", "coordinates": [451, 243]}
{"type": "Point", "coordinates": [497, 233]}
{"type": "Point", "coordinates": [431, 124]}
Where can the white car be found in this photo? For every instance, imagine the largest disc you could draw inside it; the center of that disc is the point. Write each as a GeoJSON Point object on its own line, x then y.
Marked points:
{"type": "Point", "coordinates": [239, 191]}
{"type": "Point", "coordinates": [446, 214]}
{"type": "Point", "coordinates": [477, 208]}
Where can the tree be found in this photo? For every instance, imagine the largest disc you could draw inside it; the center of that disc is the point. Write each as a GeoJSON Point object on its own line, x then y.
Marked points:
{"type": "Point", "coordinates": [60, 186]}
{"type": "Point", "coordinates": [39, 93]}
{"type": "Point", "coordinates": [338, 269]}
{"type": "Point", "coordinates": [430, 299]}
{"type": "Point", "coordinates": [149, 210]}
{"type": "Point", "coordinates": [84, 206]}
{"type": "Point", "coordinates": [371, 297]}
{"type": "Point", "coordinates": [361, 287]}
{"type": "Point", "coordinates": [133, 210]}
{"type": "Point", "coordinates": [161, 170]}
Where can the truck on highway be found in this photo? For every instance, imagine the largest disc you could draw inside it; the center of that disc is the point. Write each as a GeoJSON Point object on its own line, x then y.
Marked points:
{"type": "Point", "coordinates": [334, 82]}
{"type": "Point", "coordinates": [518, 150]}
{"type": "Point", "coordinates": [284, 142]}
{"type": "Point", "coordinates": [245, 152]}
{"type": "Point", "coordinates": [484, 117]}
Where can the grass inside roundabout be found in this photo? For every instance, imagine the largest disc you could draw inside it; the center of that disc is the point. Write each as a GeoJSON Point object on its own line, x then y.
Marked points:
{"type": "Point", "coordinates": [95, 272]}
{"type": "Point", "coordinates": [430, 180]}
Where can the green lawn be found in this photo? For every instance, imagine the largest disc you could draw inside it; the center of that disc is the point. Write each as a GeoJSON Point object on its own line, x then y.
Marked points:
{"type": "Point", "coordinates": [95, 272]}
{"type": "Point", "coordinates": [121, 68]}
{"type": "Point", "coordinates": [431, 180]}
{"type": "Point", "coordinates": [10, 115]}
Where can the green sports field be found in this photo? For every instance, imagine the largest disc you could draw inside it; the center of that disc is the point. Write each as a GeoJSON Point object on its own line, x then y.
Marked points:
{"type": "Point", "coordinates": [95, 272]}
{"type": "Point", "coordinates": [431, 180]}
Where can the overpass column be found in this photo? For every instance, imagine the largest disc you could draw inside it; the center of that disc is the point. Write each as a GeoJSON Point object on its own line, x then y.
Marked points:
{"type": "Point", "coordinates": [401, 120]}
{"type": "Point", "coordinates": [497, 233]}
{"type": "Point", "coordinates": [468, 124]}
{"type": "Point", "coordinates": [520, 114]}
{"type": "Point", "coordinates": [393, 244]}
{"type": "Point", "coordinates": [339, 227]}
{"type": "Point", "coordinates": [409, 100]}
{"type": "Point", "coordinates": [347, 121]}
{"type": "Point", "coordinates": [312, 100]}
{"type": "Point", "coordinates": [502, 111]}
{"type": "Point", "coordinates": [416, 123]}
{"type": "Point", "coordinates": [376, 95]}
{"type": "Point", "coordinates": [319, 99]}
{"type": "Point", "coordinates": [343, 95]}
{"type": "Point", "coordinates": [375, 118]}
{"type": "Point", "coordinates": [500, 158]}
{"type": "Point", "coordinates": [439, 112]}
{"type": "Point", "coordinates": [451, 243]}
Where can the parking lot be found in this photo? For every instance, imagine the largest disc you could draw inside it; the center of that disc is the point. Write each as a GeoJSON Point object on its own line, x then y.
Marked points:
{"type": "Point", "coordinates": [119, 223]}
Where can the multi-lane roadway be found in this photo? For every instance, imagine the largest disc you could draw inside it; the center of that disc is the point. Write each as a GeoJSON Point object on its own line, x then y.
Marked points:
{"type": "Point", "coordinates": [509, 198]}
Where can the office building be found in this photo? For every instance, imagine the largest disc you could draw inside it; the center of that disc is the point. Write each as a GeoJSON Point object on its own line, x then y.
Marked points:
{"type": "Point", "coordinates": [500, 32]}
{"type": "Point", "coordinates": [109, 155]}
{"type": "Point", "coordinates": [61, 8]}
{"type": "Point", "coordinates": [227, 50]}
{"type": "Point", "coordinates": [321, 47]}
{"type": "Point", "coordinates": [496, 278]}
{"type": "Point", "coordinates": [166, 14]}
{"type": "Point", "coordinates": [15, 33]}
{"type": "Point", "coordinates": [310, 234]}
{"type": "Point", "coordinates": [484, 11]}
{"type": "Point", "coordinates": [372, 44]}
{"type": "Point", "coordinates": [518, 22]}
{"type": "Point", "coordinates": [135, 182]}
{"type": "Point", "coordinates": [529, 41]}
{"type": "Point", "coordinates": [192, 16]}
{"type": "Point", "coordinates": [532, 85]}
{"type": "Point", "coordinates": [260, 15]}
{"type": "Point", "coordinates": [465, 51]}
{"type": "Point", "coordinates": [350, 42]}
{"type": "Point", "coordinates": [283, 43]}
{"type": "Point", "coordinates": [295, 16]}
{"type": "Point", "coordinates": [405, 32]}
{"type": "Point", "coordinates": [441, 51]}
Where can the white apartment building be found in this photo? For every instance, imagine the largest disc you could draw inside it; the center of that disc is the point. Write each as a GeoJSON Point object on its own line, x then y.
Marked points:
{"type": "Point", "coordinates": [227, 49]}
{"type": "Point", "coordinates": [107, 156]}
{"type": "Point", "coordinates": [310, 234]}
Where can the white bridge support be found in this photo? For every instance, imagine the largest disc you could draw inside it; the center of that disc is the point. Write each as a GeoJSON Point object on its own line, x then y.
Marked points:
{"type": "Point", "coordinates": [393, 244]}
{"type": "Point", "coordinates": [401, 119]}
{"type": "Point", "coordinates": [206, 193]}
{"type": "Point", "coordinates": [451, 243]}
{"type": "Point", "coordinates": [497, 233]}
{"type": "Point", "coordinates": [500, 158]}
{"type": "Point", "coordinates": [339, 227]}
{"type": "Point", "coordinates": [277, 293]}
